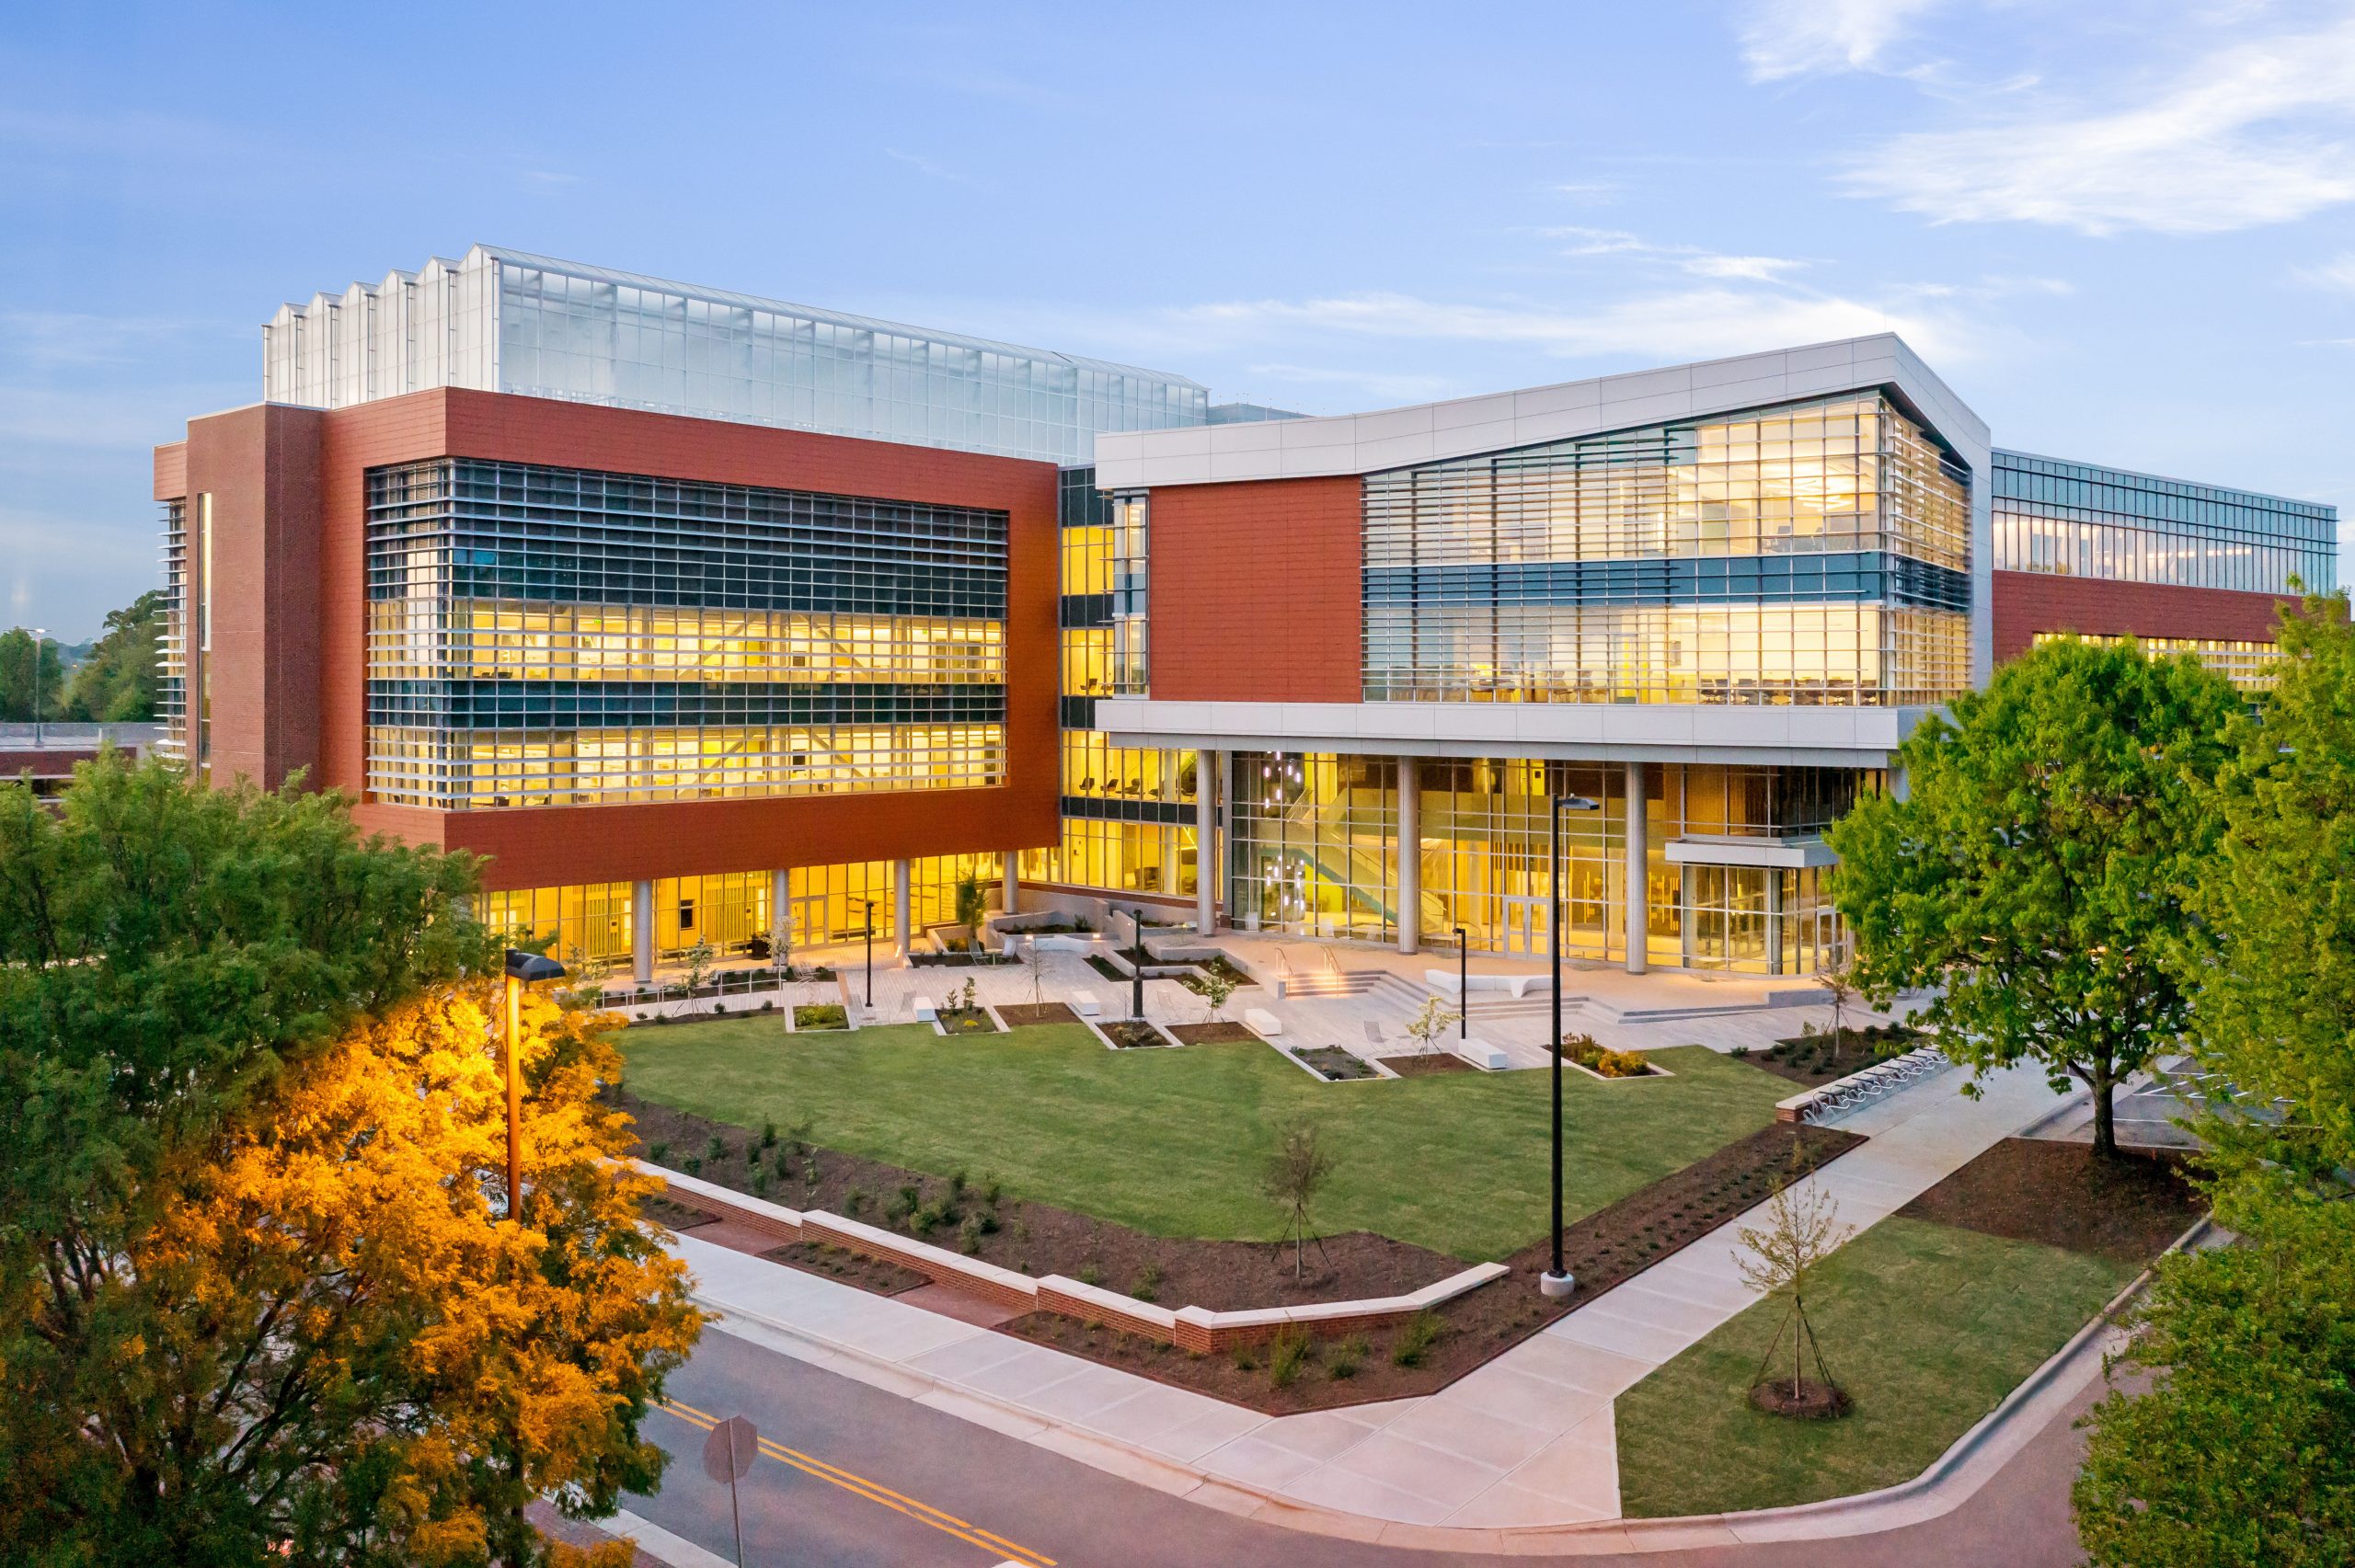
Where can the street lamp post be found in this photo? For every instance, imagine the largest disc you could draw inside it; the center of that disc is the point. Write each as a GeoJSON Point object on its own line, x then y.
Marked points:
{"type": "Point", "coordinates": [1557, 1282]}
{"type": "Point", "coordinates": [523, 969]}
{"type": "Point", "coordinates": [1463, 984]}
{"type": "Point", "coordinates": [40, 635]}
{"type": "Point", "coordinates": [870, 955]}
{"type": "Point", "coordinates": [1136, 970]}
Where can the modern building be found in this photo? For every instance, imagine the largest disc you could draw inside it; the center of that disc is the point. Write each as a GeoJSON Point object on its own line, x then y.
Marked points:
{"type": "Point", "coordinates": [711, 620]}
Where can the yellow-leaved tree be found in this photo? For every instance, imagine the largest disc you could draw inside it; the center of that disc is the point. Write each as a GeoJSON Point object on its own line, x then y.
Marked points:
{"type": "Point", "coordinates": [328, 1340]}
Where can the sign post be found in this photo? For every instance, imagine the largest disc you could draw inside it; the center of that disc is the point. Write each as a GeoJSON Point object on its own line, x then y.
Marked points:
{"type": "Point", "coordinates": [726, 1455]}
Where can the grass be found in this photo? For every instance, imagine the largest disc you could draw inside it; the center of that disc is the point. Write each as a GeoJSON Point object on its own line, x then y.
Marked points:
{"type": "Point", "coordinates": [1926, 1325]}
{"type": "Point", "coordinates": [1174, 1141]}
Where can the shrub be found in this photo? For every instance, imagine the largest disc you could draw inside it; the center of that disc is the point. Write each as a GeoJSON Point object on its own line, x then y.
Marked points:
{"type": "Point", "coordinates": [768, 1132]}
{"type": "Point", "coordinates": [759, 1182]}
{"type": "Point", "coordinates": [1090, 1274]}
{"type": "Point", "coordinates": [957, 1183]}
{"type": "Point", "coordinates": [1346, 1358]}
{"type": "Point", "coordinates": [1414, 1339]}
{"type": "Point", "coordinates": [1288, 1354]}
{"type": "Point", "coordinates": [1148, 1284]}
{"type": "Point", "coordinates": [694, 1164]}
{"type": "Point", "coordinates": [656, 1150]}
{"type": "Point", "coordinates": [1247, 1358]}
{"type": "Point", "coordinates": [716, 1148]}
{"type": "Point", "coordinates": [970, 1234]}
{"type": "Point", "coordinates": [990, 1191]}
{"type": "Point", "coordinates": [855, 1200]}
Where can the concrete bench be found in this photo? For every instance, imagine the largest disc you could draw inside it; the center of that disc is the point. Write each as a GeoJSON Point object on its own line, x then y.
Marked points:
{"type": "Point", "coordinates": [1262, 1023]}
{"type": "Point", "coordinates": [926, 1010]}
{"type": "Point", "coordinates": [1482, 1055]}
{"type": "Point", "coordinates": [1447, 983]}
{"type": "Point", "coordinates": [1084, 1002]}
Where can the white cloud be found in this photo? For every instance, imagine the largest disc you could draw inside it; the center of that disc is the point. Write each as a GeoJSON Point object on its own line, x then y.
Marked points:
{"type": "Point", "coordinates": [1798, 38]}
{"type": "Point", "coordinates": [2252, 134]}
{"type": "Point", "coordinates": [1689, 323]}
{"type": "Point", "coordinates": [1391, 385]}
{"type": "Point", "coordinates": [2338, 273]}
{"type": "Point", "coordinates": [1691, 258]}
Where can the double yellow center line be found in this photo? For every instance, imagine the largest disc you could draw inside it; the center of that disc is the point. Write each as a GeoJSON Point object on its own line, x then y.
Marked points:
{"type": "Point", "coordinates": [876, 1491]}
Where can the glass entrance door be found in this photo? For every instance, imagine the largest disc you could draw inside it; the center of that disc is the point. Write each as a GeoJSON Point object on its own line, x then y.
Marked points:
{"type": "Point", "coordinates": [1725, 917]}
{"type": "Point", "coordinates": [1525, 927]}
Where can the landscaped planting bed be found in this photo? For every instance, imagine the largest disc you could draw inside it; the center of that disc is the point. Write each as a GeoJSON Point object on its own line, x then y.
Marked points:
{"type": "Point", "coordinates": [851, 1268]}
{"type": "Point", "coordinates": [1585, 1051]}
{"type": "Point", "coordinates": [973, 1214]}
{"type": "Point", "coordinates": [1333, 1064]}
{"type": "Point", "coordinates": [1927, 1321]}
{"type": "Point", "coordinates": [1814, 1060]}
{"type": "Point", "coordinates": [819, 1015]}
{"type": "Point", "coordinates": [1176, 1141]}
{"type": "Point", "coordinates": [1222, 1031]}
{"type": "Point", "coordinates": [1129, 1033]}
{"type": "Point", "coordinates": [1023, 1014]}
{"type": "Point", "coordinates": [1427, 1064]}
{"type": "Point", "coordinates": [967, 1021]}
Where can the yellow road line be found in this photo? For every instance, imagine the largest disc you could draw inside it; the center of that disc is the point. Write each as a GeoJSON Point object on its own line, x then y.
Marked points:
{"type": "Point", "coordinates": [873, 1490]}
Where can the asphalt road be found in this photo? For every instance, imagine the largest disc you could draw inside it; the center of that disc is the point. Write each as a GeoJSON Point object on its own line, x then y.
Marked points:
{"type": "Point", "coordinates": [852, 1477]}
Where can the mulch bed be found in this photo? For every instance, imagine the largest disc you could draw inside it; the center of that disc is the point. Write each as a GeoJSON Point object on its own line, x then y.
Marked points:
{"type": "Point", "coordinates": [675, 1215]}
{"type": "Point", "coordinates": [1222, 1032]}
{"type": "Point", "coordinates": [1427, 1066]}
{"type": "Point", "coordinates": [1021, 1014]}
{"type": "Point", "coordinates": [849, 1267]}
{"type": "Point", "coordinates": [1335, 1065]}
{"type": "Point", "coordinates": [966, 1021]}
{"type": "Point", "coordinates": [2128, 1208]}
{"type": "Point", "coordinates": [1603, 1249]}
{"type": "Point", "coordinates": [1129, 1033]}
{"type": "Point", "coordinates": [1813, 1060]}
{"type": "Point", "coordinates": [1037, 1238]}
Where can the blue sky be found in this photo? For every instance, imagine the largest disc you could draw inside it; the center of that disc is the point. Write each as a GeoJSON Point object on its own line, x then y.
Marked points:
{"type": "Point", "coordinates": [2122, 232]}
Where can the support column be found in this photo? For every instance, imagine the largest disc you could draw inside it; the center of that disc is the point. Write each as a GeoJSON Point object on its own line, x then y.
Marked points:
{"type": "Point", "coordinates": [780, 916]}
{"type": "Point", "coordinates": [903, 893]}
{"type": "Point", "coordinates": [1170, 880]}
{"type": "Point", "coordinates": [1774, 920]}
{"type": "Point", "coordinates": [1639, 914]}
{"type": "Point", "coordinates": [1208, 768]}
{"type": "Point", "coordinates": [641, 930]}
{"type": "Point", "coordinates": [1010, 891]}
{"type": "Point", "coordinates": [1410, 855]}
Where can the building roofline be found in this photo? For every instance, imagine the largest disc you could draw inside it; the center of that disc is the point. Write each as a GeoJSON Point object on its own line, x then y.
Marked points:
{"type": "Point", "coordinates": [2330, 507]}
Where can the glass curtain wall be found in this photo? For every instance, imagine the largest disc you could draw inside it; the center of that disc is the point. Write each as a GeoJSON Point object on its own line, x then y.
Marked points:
{"type": "Point", "coordinates": [1314, 852]}
{"type": "Point", "coordinates": [557, 636]}
{"type": "Point", "coordinates": [2075, 519]}
{"type": "Point", "coordinates": [1815, 554]}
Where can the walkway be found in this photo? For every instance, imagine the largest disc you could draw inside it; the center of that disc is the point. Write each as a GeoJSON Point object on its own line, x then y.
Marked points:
{"type": "Point", "coordinates": [1527, 1440]}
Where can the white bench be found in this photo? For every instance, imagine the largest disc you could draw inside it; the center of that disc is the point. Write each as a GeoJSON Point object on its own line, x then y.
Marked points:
{"type": "Point", "coordinates": [1449, 983]}
{"type": "Point", "coordinates": [925, 1012]}
{"type": "Point", "coordinates": [1084, 1002]}
{"type": "Point", "coordinates": [1482, 1055]}
{"type": "Point", "coordinates": [1262, 1023]}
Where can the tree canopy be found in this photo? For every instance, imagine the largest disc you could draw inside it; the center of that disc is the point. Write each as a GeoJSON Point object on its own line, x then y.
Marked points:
{"type": "Point", "coordinates": [2033, 865]}
{"type": "Point", "coordinates": [116, 681]}
{"type": "Point", "coordinates": [20, 664]}
{"type": "Point", "coordinates": [2242, 1448]}
{"type": "Point", "coordinates": [253, 1299]}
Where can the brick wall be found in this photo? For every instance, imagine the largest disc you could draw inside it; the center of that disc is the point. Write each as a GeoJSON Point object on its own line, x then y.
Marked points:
{"type": "Point", "coordinates": [1257, 591]}
{"type": "Point", "coordinates": [312, 514]}
{"type": "Point", "coordinates": [2029, 602]}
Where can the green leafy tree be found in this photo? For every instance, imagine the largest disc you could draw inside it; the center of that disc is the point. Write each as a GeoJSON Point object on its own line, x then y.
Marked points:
{"type": "Point", "coordinates": [252, 1293]}
{"type": "Point", "coordinates": [972, 908]}
{"type": "Point", "coordinates": [2034, 868]}
{"type": "Point", "coordinates": [19, 663]}
{"type": "Point", "coordinates": [116, 683]}
{"type": "Point", "coordinates": [2242, 1448]}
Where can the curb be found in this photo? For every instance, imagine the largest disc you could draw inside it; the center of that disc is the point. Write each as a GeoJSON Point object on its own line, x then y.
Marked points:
{"type": "Point", "coordinates": [1949, 1480]}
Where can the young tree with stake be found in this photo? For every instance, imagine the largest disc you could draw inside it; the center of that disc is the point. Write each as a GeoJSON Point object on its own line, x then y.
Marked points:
{"type": "Point", "coordinates": [1296, 1173]}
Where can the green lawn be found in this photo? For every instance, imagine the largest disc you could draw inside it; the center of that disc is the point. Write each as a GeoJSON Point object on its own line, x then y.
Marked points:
{"type": "Point", "coordinates": [1926, 1325]}
{"type": "Point", "coordinates": [1174, 1141]}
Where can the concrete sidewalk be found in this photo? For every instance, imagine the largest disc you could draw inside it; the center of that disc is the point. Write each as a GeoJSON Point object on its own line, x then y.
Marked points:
{"type": "Point", "coordinates": [1526, 1442]}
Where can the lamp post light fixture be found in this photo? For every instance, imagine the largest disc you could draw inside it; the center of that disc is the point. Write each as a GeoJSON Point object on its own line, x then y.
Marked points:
{"type": "Point", "coordinates": [870, 955]}
{"type": "Point", "coordinates": [1464, 984]}
{"type": "Point", "coordinates": [523, 969]}
{"type": "Point", "coordinates": [1557, 1281]}
{"type": "Point", "coordinates": [40, 635]}
{"type": "Point", "coordinates": [1136, 969]}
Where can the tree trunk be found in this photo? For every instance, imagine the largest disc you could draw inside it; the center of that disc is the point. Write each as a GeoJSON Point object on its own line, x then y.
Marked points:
{"type": "Point", "coordinates": [2105, 1127]}
{"type": "Point", "coordinates": [1799, 1333]}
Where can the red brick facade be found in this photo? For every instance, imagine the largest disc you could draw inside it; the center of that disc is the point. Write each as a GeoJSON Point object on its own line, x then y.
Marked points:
{"type": "Point", "coordinates": [1258, 591]}
{"type": "Point", "coordinates": [290, 605]}
{"type": "Point", "coordinates": [2029, 603]}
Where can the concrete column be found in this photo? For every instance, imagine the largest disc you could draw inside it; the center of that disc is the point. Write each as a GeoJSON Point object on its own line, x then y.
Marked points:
{"type": "Point", "coordinates": [1170, 880]}
{"type": "Point", "coordinates": [1774, 920]}
{"type": "Point", "coordinates": [642, 930]}
{"type": "Point", "coordinates": [903, 894]}
{"type": "Point", "coordinates": [1010, 893]}
{"type": "Point", "coordinates": [1410, 856]}
{"type": "Point", "coordinates": [1208, 768]}
{"type": "Point", "coordinates": [1640, 912]}
{"type": "Point", "coordinates": [780, 915]}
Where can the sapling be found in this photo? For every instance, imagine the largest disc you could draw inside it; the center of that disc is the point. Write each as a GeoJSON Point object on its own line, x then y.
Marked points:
{"type": "Point", "coordinates": [1297, 1173]}
{"type": "Point", "coordinates": [1803, 1229]}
